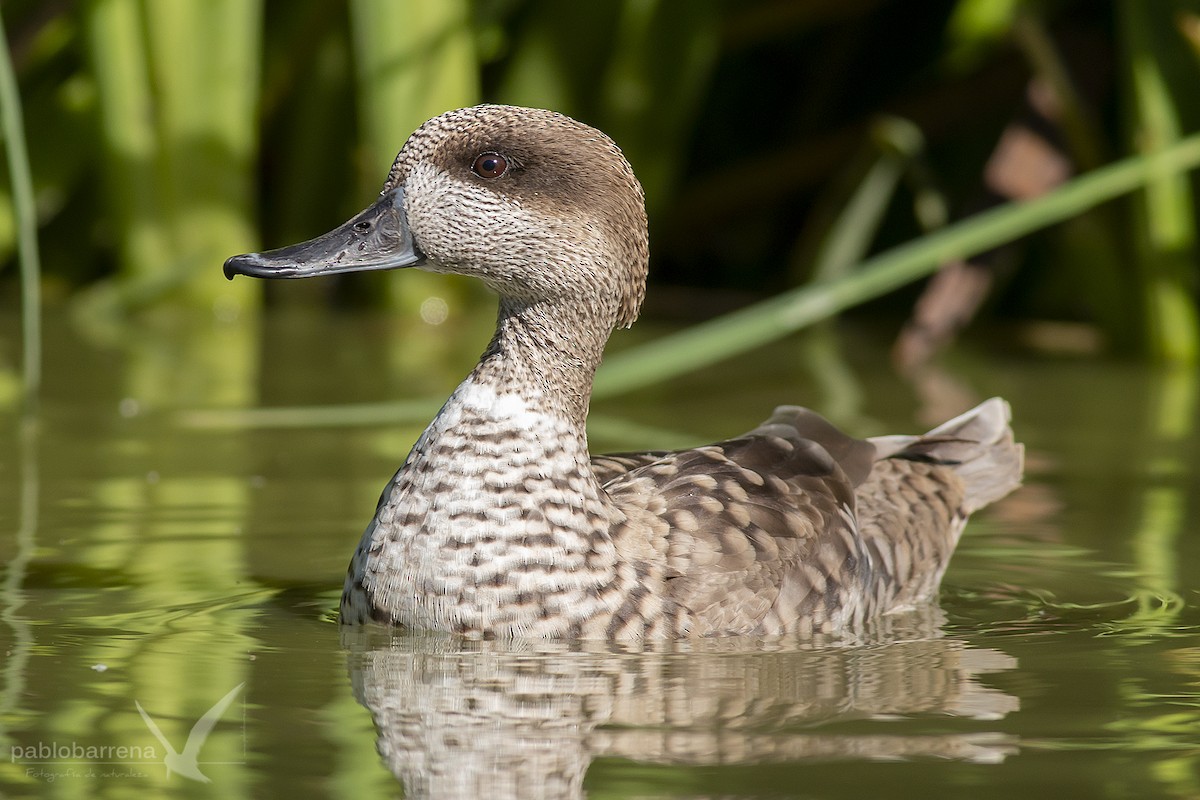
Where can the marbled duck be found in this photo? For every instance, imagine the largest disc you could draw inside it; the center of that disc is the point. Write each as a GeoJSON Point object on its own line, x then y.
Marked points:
{"type": "Point", "coordinates": [500, 522]}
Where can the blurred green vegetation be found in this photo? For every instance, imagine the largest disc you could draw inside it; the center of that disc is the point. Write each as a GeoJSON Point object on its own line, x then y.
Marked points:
{"type": "Point", "coordinates": [781, 143]}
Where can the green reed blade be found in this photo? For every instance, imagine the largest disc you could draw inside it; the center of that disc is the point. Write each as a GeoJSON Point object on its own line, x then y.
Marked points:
{"type": "Point", "coordinates": [771, 319]}
{"type": "Point", "coordinates": [11, 596]}
{"type": "Point", "coordinates": [130, 140]}
{"type": "Point", "coordinates": [178, 90]}
{"type": "Point", "coordinates": [26, 214]}
{"type": "Point", "coordinates": [1165, 211]}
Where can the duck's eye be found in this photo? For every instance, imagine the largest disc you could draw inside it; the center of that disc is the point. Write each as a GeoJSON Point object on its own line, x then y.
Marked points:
{"type": "Point", "coordinates": [490, 165]}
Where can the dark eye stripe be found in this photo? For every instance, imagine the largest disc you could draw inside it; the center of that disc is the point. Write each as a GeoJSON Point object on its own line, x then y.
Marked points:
{"type": "Point", "coordinates": [490, 165]}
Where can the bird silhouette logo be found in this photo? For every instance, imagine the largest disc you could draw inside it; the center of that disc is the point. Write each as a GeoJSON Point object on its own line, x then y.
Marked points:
{"type": "Point", "coordinates": [187, 763]}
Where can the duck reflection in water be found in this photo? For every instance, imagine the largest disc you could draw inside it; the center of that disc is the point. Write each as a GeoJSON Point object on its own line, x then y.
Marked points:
{"type": "Point", "coordinates": [525, 719]}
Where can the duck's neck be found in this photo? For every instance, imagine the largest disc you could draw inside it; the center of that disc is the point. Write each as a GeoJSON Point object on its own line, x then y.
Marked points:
{"type": "Point", "coordinates": [546, 355]}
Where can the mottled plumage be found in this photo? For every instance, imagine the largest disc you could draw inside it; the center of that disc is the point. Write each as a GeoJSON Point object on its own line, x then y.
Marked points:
{"type": "Point", "coordinates": [500, 523]}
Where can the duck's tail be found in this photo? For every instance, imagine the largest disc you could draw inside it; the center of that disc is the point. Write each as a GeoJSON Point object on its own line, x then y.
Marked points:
{"type": "Point", "coordinates": [977, 445]}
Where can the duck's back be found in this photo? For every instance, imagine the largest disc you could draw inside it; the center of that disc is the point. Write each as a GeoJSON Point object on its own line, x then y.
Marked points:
{"type": "Point", "coordinates": [796, 527]}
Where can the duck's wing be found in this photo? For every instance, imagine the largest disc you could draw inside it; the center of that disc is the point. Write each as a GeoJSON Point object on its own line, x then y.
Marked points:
{"type": "Point", "coordinates": [796, 527]}
{"type": "Point", "coordinates": [614, 465]}
{"type": "Point", "coordinates": [855, 456]}
{"type": "Point", "coordinates": [755, 534]}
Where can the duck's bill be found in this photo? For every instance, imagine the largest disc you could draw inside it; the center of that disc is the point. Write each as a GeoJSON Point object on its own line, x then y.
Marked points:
{"type": "Point", "coordinates": [378, 238]}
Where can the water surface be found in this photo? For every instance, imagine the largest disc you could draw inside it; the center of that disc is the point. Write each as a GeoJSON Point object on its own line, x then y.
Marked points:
{"type": "Point", "coordinates": [163, 547]}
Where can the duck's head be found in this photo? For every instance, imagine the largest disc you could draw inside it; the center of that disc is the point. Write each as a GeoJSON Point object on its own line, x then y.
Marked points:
{"type": "Point", "coordinates": [540, 207]}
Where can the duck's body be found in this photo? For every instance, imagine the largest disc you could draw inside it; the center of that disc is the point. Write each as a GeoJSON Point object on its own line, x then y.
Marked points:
{"type": "Point", "coordinates": [500, 523]}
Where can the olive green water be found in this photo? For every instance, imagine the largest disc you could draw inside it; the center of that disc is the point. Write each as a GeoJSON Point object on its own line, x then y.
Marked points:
{"type": "Point", "coordinates": [163, 549]}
